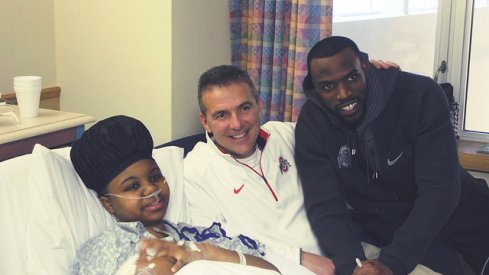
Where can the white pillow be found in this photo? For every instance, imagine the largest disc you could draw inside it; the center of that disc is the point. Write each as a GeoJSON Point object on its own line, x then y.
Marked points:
{"type": "Point", "coordinates": [14, 214]}
{"type": "Point", "coordinates": [63, 213]}
{"type": "Point", "coordinates": [170, 161]}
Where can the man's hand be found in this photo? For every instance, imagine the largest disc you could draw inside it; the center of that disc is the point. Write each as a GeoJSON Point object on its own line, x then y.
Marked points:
{"type": "Point", "coordinates": [381, 64]}
{"type": "Point", "coordinates": [372, 267]}
{"type": "Point", "coordinates": [317, 264]}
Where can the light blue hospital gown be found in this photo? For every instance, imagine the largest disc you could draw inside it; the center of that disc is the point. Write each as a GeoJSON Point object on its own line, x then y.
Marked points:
{"type": "Point", "coordinates": [105, 253]}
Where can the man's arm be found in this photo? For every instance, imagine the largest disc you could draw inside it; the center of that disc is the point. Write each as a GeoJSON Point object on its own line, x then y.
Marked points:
{"type": "Point", "coordinates": [437, 180]}
{"type": "Point", "coordinates": [323, 197]}
{"type": "Point", "coordinates": [317, 263]}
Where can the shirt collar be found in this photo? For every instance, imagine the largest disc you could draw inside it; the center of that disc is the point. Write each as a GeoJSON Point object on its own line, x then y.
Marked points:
{"type": "Point", "coordinates": [261, 141]}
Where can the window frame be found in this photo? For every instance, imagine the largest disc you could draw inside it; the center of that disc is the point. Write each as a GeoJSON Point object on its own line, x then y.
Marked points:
{"type": "Point", "coordinates": [458, 62]}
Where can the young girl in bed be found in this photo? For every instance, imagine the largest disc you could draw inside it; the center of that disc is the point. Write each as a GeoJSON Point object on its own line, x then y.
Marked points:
{"type": "Point", "coordinates": [114, 158]}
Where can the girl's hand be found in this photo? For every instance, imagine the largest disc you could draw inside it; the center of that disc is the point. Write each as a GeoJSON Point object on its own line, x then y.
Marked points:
{"type": "Point", "coordinates": [147, 265]}
{"type": "Point", "coordinates": [180, 253]}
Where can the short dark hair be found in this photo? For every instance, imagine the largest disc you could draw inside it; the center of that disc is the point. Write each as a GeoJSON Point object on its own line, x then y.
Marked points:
{"type": "Point", "coordinates": [221, 76]}
{"type": "Point", "coordinates": [330, 46]}
{"type": "Point", "coordinates": [326, 48]}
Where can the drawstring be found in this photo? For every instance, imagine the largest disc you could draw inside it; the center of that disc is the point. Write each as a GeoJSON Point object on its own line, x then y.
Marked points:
{"type": "Point", "coordinates": [371, 156]}
{"type": "Point", "coordinates": [260, 174]}
{"type": "Point", "coordinates": [352, 145]}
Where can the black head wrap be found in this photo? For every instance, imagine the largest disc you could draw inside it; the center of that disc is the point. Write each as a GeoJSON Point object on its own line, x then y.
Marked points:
{"type": "Point", "coordinates": [109, 147]}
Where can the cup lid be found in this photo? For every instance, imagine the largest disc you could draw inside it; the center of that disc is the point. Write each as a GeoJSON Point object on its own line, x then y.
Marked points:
{"type": "Point", "coordinates": [20, 80]}
{"type": "Point", "coordinates": [27, 78]}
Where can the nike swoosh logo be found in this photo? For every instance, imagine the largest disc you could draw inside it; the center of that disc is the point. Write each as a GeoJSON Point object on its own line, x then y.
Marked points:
{"type": "Point", "coordinates": [391, 162]}
{"type": "Point", "coordinates": [236, 191]}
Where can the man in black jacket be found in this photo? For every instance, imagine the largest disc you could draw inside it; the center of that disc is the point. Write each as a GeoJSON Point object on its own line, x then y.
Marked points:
{"type": "Point", "coordinates": [377, 157]}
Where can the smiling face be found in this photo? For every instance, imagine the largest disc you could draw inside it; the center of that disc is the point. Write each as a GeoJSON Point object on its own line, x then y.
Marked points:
{"type": "Point", "coordinates": [340, 82]}
{"type": "Point", "coordinates": [233, 116]}
{"type": "Point", "coordinates": [138, 180]}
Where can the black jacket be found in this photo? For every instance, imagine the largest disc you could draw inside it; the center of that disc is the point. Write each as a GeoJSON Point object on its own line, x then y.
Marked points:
{"type": "Point", "coordinates": [397, 171]}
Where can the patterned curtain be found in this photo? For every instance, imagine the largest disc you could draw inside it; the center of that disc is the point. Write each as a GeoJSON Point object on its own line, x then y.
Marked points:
{"type": "Point", "coordinates": [270, 39]}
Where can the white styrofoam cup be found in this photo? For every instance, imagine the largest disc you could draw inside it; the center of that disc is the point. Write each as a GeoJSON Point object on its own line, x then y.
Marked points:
{"type": "Point", "coordinates": [28, 93]}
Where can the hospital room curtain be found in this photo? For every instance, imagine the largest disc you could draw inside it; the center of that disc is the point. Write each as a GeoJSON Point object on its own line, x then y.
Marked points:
{"type": "Point", "coordinates": [270, 39]}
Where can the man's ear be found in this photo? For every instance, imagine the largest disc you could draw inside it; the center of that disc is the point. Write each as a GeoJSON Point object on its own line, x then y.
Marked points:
{"type": "Point", "coordinates": [203, 121]}
{"type": "Point", "coordinates": [106, 204]}
{"type": "Point", "coordinates": [365, 67]}
{"type": "Point", "coordinates": [260, 106]}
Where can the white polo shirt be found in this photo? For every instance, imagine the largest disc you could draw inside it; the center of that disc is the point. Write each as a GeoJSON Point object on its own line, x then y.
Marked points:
{"type": "Point", "coordinates": [264, 202]}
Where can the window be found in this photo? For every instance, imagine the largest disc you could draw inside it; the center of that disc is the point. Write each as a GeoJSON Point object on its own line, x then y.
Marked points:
{"type": "Point", "coordinates": [419, 35]}
{"type": "Point", "coordinates": [421, 6]}
{"type": "Point", "coordinates": [353, 10]}
{"type": "Point", "coordinates": [413, 34]}
{"type": "Point", "coordinates": [477, 87]}
{"type": "Point", "coordinates": [470, 69]}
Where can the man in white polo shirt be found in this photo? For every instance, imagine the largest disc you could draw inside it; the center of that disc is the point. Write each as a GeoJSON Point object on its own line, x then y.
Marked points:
{"type": "Point", "coordinates": [245, 175]}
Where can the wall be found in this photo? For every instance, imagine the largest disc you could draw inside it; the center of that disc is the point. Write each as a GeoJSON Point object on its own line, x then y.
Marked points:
{"type": "Point", "coordinates": [200, 40]}
{"type": "Point", "coordinates": [114, 58]}
{"type": "Point", "coordinates": [142, 60]}
{"type": "Point", "coordinates": [110, 57]}
{"type": "Point", "coordinates": [26, 41]}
